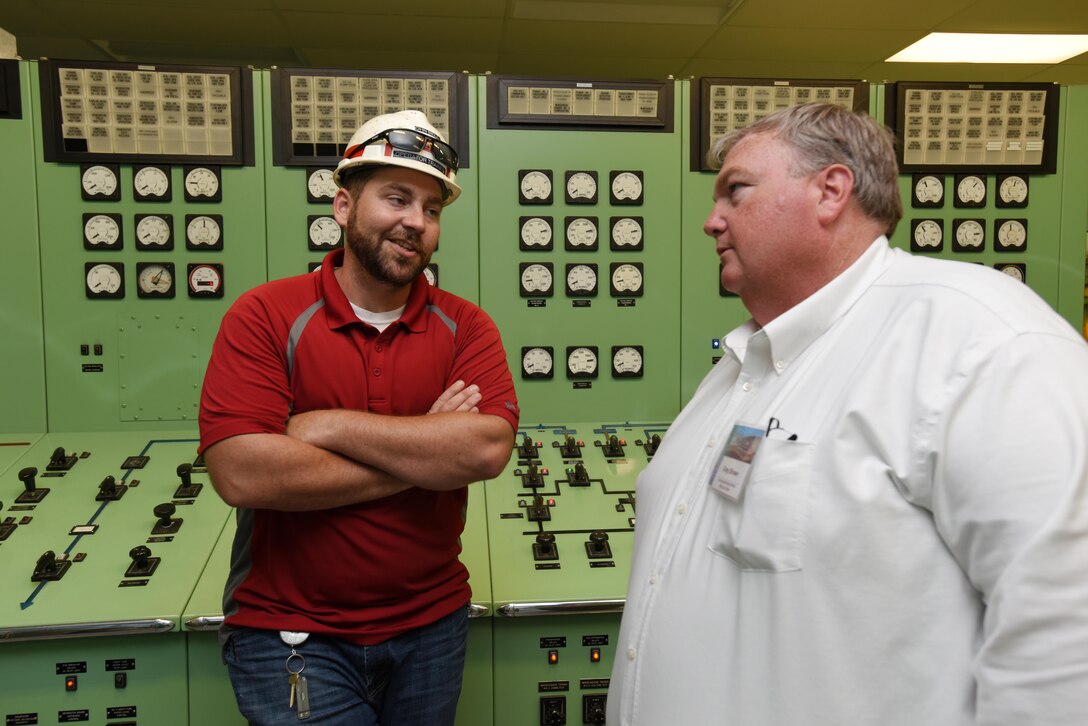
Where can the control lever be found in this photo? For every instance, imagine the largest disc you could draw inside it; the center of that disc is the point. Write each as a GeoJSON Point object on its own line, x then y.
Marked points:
{"type": "Point", "coordinates": [109, 490]}
{"type": "Point", "coordinates": [187, 489]}
{"type": "Point", "coordinates": [166, 523]}
{"type": "Point", "coordinates": [50, 567]}
{"type": "Point", "coordinates": [33, 494]}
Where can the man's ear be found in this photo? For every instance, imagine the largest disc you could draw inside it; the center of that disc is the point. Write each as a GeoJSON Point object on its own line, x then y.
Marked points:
{"type": "Point", "coordinates": [341, 206]}
{"type": "Point", "coordinates": [836, 185]}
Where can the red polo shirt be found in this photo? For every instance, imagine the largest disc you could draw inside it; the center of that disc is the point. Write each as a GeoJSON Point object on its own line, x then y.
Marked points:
{"type": "Point", "coordinates": [370, 571]}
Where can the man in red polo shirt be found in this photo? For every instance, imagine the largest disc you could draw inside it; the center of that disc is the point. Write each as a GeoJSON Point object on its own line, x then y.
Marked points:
{"type": "Point", "coordinates": [343, 414]}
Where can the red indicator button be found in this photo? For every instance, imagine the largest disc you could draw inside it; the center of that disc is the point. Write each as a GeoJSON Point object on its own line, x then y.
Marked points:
{"type": "Point", "coordinates": [71, 683]}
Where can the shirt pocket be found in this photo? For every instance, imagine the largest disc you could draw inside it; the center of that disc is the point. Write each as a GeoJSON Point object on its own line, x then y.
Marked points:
{"type": "Point", "coordinates": [766, 530]}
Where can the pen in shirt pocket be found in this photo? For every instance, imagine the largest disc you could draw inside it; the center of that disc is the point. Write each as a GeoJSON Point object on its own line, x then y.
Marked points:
{"type": "Point", "coordinates": [774, 426]}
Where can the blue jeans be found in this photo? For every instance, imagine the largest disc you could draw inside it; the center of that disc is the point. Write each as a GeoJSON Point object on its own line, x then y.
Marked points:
{"type": "Point", "coordinates": [413, 679]}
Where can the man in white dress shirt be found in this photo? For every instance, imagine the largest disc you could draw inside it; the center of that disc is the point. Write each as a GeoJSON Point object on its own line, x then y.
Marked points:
{"type": "Point", "coordinates": [909, 544]}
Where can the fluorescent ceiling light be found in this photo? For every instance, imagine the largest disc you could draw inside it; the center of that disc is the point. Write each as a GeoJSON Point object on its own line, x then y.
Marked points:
{"type": "Point", "coordinates": [992, 48]}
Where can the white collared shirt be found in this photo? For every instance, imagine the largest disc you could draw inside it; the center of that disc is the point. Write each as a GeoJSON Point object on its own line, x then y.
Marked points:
{"type": "Point", "coordinates": [918, 556]}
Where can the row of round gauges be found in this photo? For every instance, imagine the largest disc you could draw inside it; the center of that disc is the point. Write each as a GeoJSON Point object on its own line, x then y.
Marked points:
{"type": "Point", "coordinates": [150, 183]}
{"type": "Point", "coordinates": [968, 235]}
{"type": "Point", "coordinates": [104, 231]}
{"type": "Point", "coordinates": [106, 280]}
{"type": "Point", "coordinates": [537, 234]}
{"type": "Point", "coordinates": [537, 279]}
{"type": "Point", "coordinates": [970, 190]}
{"type": "Point", "coordinates": [624, 186]}
{"type": "Point", "coordinates": [538, 361]}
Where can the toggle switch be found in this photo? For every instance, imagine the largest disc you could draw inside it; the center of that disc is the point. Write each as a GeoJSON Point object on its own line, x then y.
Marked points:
{"type": "Point", "coordinates": [538, 511]}
{"type": "Point", "coordinates": [60, 461]}
{"type": "Point", "coordinates": [166, 524]}
{"type": "Point", "coordinates": [533, 478]}
{"type": "Point", "coordinates": [613, 447]}
{"type": "Point", "coordinates": [109, 490]}
{"type": "Point", "coordinates": [570, 448]}
{"type": "Point", "coordinates": [578, 476]}
{"type": "Point", "coordinates": [32, 494]}
{"type": "Point", "coordinates": [187, 489]}
{"type": "Point", "coordinates": [49, 567]}
{"type": "Point", "coordinates": [527, 449]}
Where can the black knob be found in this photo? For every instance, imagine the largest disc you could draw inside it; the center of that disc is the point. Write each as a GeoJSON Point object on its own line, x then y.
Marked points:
{"type": "Point", "coordinates": [164, 512]}
{"type": "Point", "coordinates": [108, 485]}
{"type": "Point", "coordinates": [26, 476]}
{"type": "Point", "coordinates": [597, 540]}
{"type": "Point", "coordinates": [185, 471]}
{"type": "Point", "coordinates": [580, 472]}
{"type": "Point", "coordinates": [545, 538]}
{"type": "Point", "coordinates": [47, 563]}
{"type": "Point", "coordinates": [140, 555]}
{"type": "Point", "coordinates": [59, 457]}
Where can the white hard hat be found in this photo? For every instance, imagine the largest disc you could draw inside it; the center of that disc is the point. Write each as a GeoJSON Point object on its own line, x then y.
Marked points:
{"type": "Point", "coordinates": [404, 138]}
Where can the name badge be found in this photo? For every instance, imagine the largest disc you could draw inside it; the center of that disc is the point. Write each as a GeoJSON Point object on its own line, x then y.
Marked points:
{"type": "Point", "coordinates": [731, 475]}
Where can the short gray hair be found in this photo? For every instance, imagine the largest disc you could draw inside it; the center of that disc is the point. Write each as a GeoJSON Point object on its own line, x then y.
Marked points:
{"type": "Point", "coordinates": [823, 134]}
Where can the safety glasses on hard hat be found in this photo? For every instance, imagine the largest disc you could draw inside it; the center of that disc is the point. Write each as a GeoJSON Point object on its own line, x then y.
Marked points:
{"type": "Point", "coordinates": [409, 140]}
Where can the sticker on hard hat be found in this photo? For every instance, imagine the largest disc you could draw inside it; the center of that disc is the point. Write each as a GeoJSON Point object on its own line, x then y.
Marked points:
{"type": "Point", "coordinates": [400, 154]}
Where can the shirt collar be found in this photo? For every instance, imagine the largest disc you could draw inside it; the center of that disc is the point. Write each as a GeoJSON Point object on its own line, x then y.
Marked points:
{"type": "Point", "coordinates": [794, 330]}
{"type": "Point", "coordinates": [338, 308]}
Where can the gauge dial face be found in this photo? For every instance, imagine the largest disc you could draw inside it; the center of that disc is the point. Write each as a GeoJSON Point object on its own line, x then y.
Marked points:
{"type": "Point", "coordinates": [1012, 191]}
{"type": "Point", "coordinates": [1012, 234]}
{"type": "Point", "coordinates": [319, 185]}
{"type": "Point", "coordinates": [155, 280]}
{"type": "Point", "coordinates": [201, 184]}
{"type": "Point", "coordinates": [536, 279]}
{"type": "Point", "coordinates": [153, 232]}
{"type": "Point", "coordinates": [581, 233]}
{"type": "Point", "coordinates": [536, 362]}
{"type": "Point", "coordinates": [581, 187]}
{"type": "Point", "coordinates": [627, 279]}
{"type": "Point", "coordinates": [99, 182]}
{"type": "Point", "coordinates": [582, 362]}
{"type": "Point", "coordinates": [626, 187]}
{"type": "Point", "coordinates": [627, 233]}
{"type": "Point", "coordinates": [928, 235]}
{"type": "Point", "coordinates": [535, 186]}
{"type": "Point", "coordinates": [104, 279]}
{"type": "Point", "coordinates": [970, 234]}
{"type": "Point", "coordinates": [626, 361]}
{"type": "Point", "coordinates": [970, 190]}
{"type": "Point", "coordinates": [928, 190]}
{"type": "Point", "coordinates": [581, 280]}
{"type": "Point", "coordinates": [205, 280]}
{"type": "Point", "coordinates": [324, 233]}
{"type": "Point", "coordinates": [536, 233]}
{"type": "Point", "coordinates": [203, 232]}
{"type": "Point", "coordinates": [1014, 271]}
{"type": "Point", "coordinates": [151, 182]}
{"type": "Point", "coordinates": [101, 231]}
{"type": "Point", "coordinates": [431, 273]}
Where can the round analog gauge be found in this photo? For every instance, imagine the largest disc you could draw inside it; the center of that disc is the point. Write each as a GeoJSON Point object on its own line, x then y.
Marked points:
{"type": "Point", "coordinates": [536, 279]}
{"type": "Point", "coordinates": [155, 280]}
{"type": "Point", "coordinates": [536, 233]}
{"type": "Point", "coordinates": [536, 362]}
{"type": "Point", "coordinates": [99, 182]}
{"type": "Point", "coordinates": [928, 234]}
{"type": "Point", "coordinates": [626, 361]}
{"type": "Point", "coordinates": [324, 233]}
{"type": "Point", "coordinates": [581, 187]}
{"type": "Point", "coordinates": [205, 280]}
{"type": "Point", "coordinates": [928, 190]}
{"type": "Point", "coordinates": [151, 182]}
{"type": "Point", "coordinates": [1012, 191]}
{"type": "Point", "coordinates": [203, 231]}
{"type": "Point", "coordinates": [431, 273]}
{"type": "Point", "coordinates": [970, 234]}
{"type": "Point", "coordinates": [104, 280]}
{"type": "Point", "coordinates": [1014, 271]}
{"type": "Point", "coordinates": [319, 185]}
{"type": "Point", "coordinates": [100, 230]}
{"type": "Point", "coordinates": [581, 280]}
{"type": "Point", "coordinates": [1012, 234]}
{"type": "Point", "coordinates": [153, 231]}
{"type": "Point", "coordinates": [626, 187]}
{"type": "Point", "coordinates": [581, 233]}
{"type": "Point", "coordinates": [535, 186]}
{"type": "Point", "coordinates": [627, 279]}
{"type": "Point", "coordinates": [582, 362]}
{"type": "Point", "coordinates": [201, 184]}
{"type": "Point", "coordinates": [627, 233]}
{"type": "Point", "coordinates": [970, 190]}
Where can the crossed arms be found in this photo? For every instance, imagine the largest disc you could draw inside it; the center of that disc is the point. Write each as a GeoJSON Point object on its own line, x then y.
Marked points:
{"type": "Point", "coordinates": [332, 458]}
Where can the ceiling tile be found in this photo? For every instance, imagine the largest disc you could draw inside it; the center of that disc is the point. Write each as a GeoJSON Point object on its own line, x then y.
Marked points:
{"type": "Point", "coordinates": [387, 32]}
